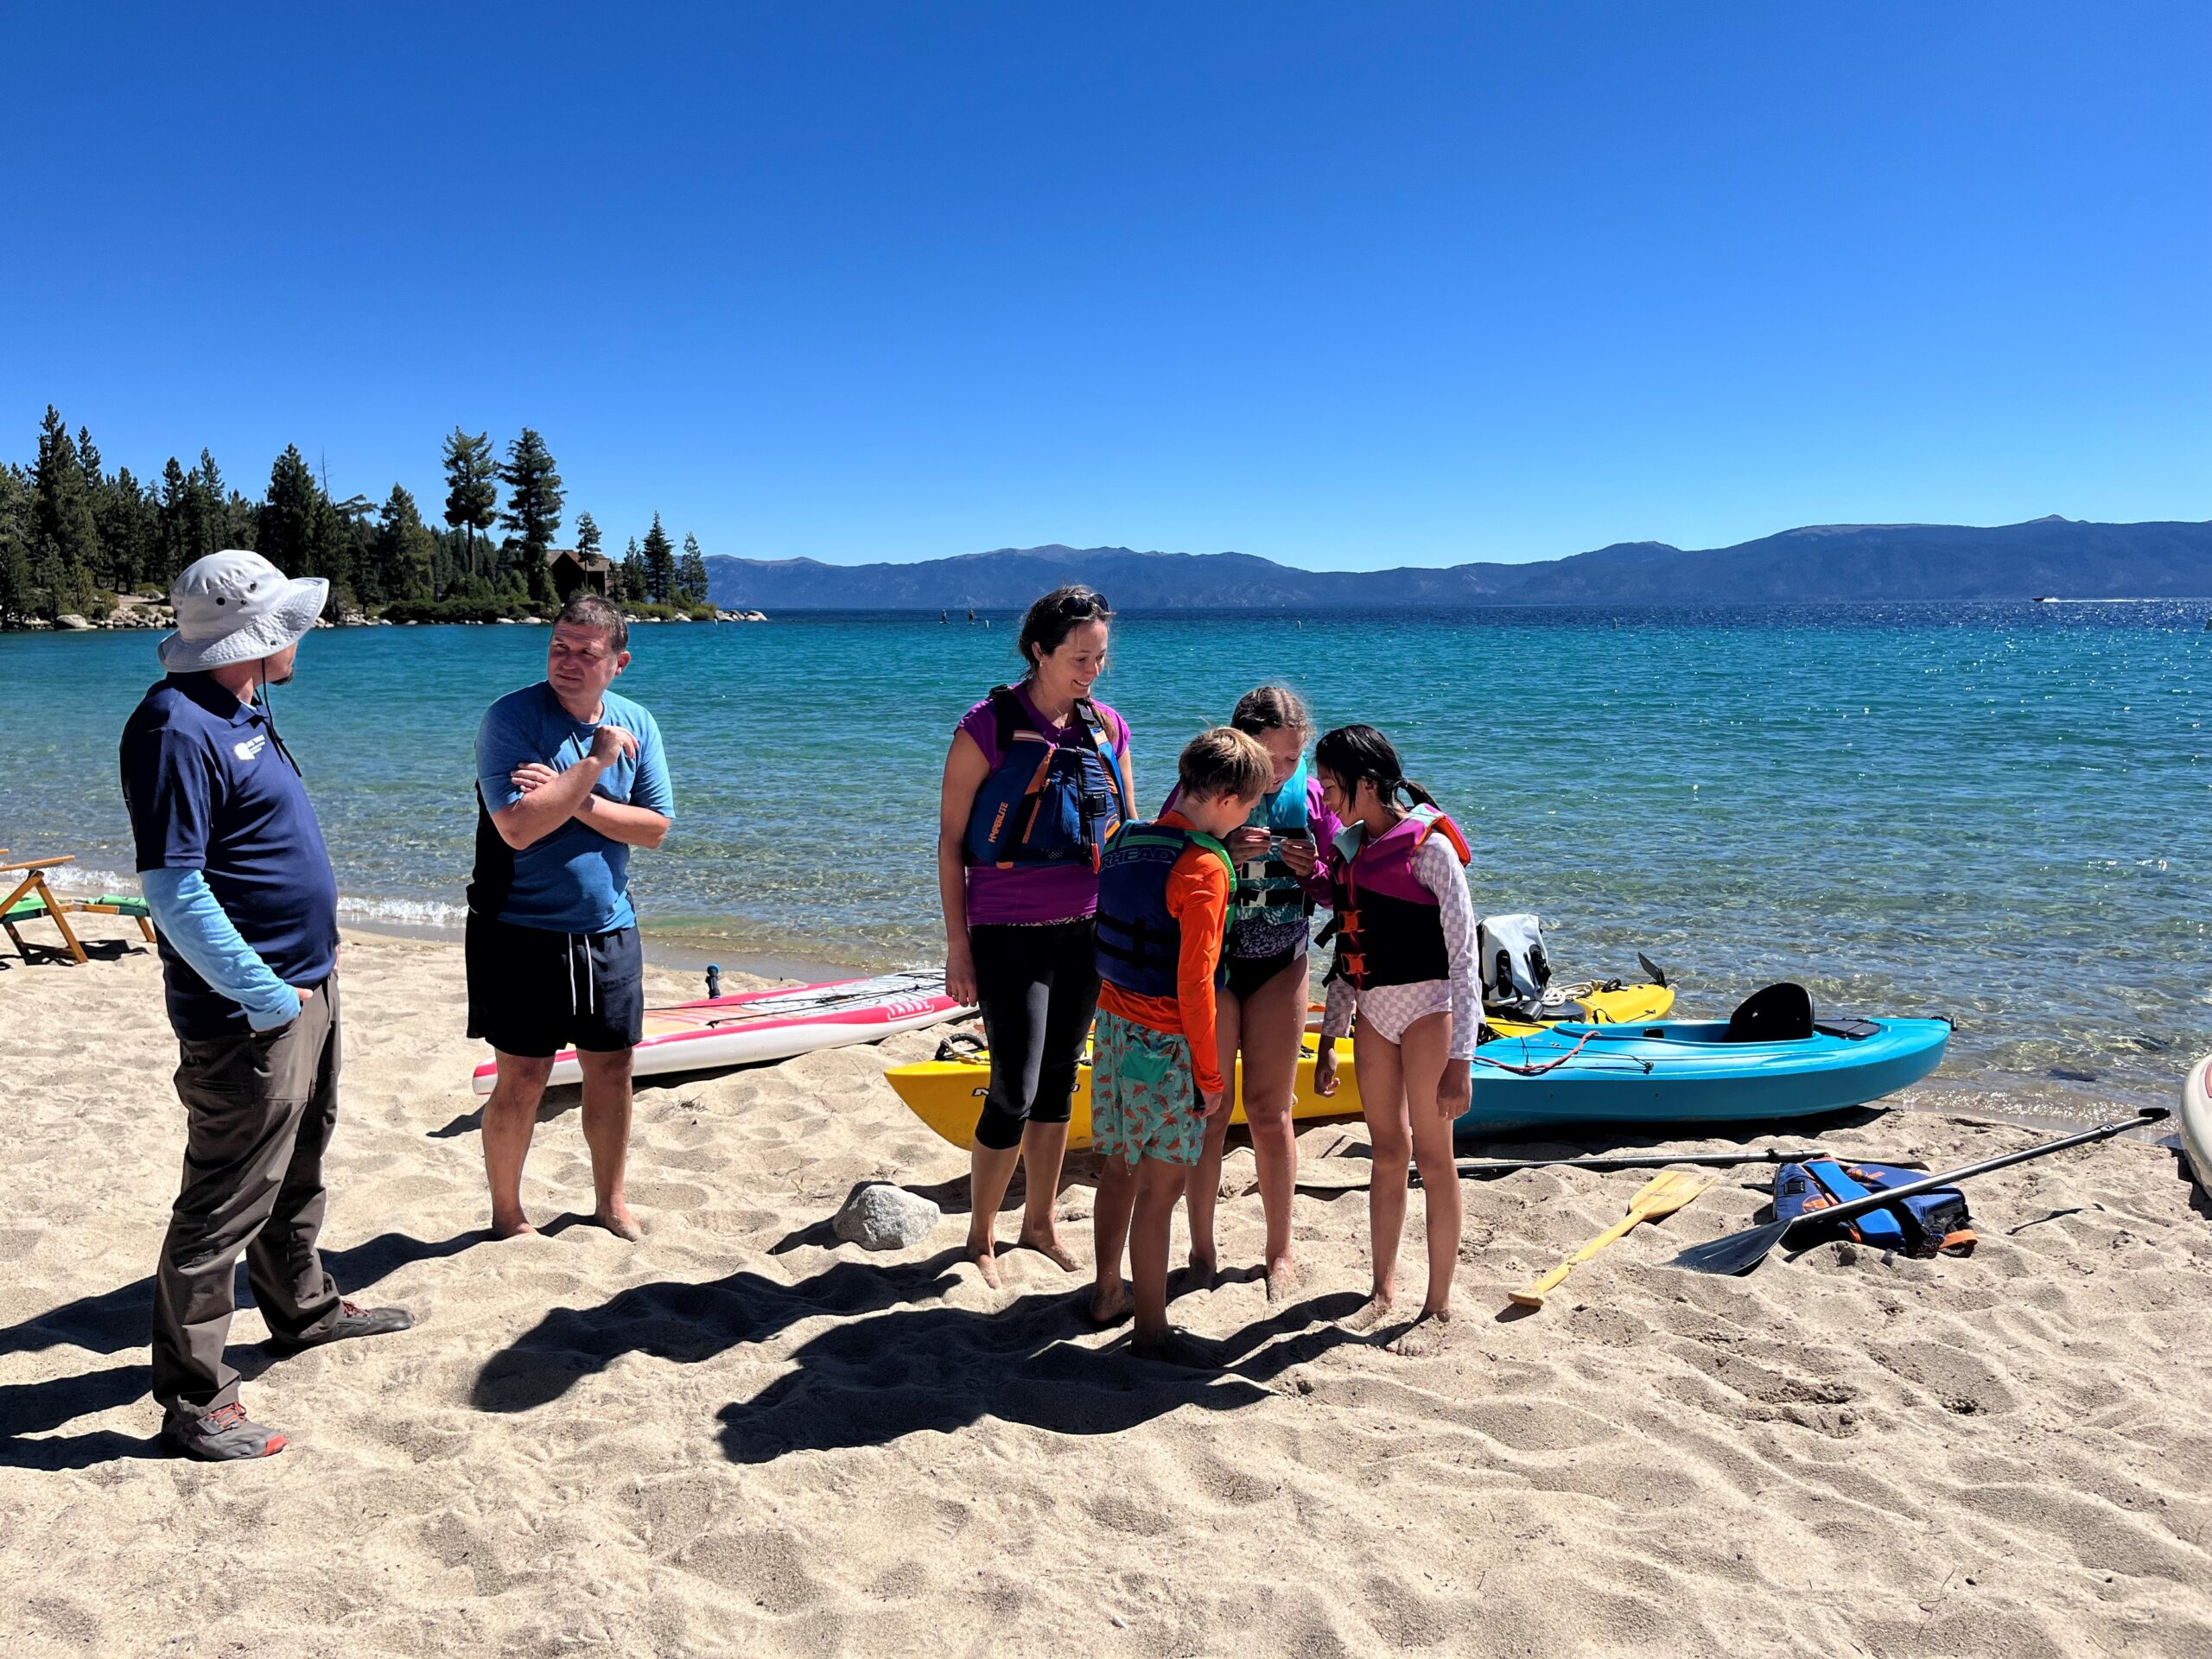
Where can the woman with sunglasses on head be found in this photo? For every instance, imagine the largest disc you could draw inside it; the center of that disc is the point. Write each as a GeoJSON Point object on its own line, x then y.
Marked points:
{"type": "Point", "coordinates": [1038, 778]}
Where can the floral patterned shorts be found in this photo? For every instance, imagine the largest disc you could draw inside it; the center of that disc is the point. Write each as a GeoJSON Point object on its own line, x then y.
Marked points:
{"type": "Point", "coordinates": [1144, 1099]}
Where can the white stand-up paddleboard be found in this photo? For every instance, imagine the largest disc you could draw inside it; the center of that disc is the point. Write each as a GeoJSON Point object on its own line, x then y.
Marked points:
{"type": "Point", "coordinates": [2197, 1121]}
{"type": "Point", "coordinates": [773, 1025]}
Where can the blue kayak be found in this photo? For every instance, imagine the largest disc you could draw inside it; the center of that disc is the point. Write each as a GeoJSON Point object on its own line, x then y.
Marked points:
{"type": "Point", "coordinates": [1682, 1071]}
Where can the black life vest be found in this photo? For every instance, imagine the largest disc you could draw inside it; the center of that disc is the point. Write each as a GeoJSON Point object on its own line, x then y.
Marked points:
{"type": "Point", "coordinates": [1389, 928]}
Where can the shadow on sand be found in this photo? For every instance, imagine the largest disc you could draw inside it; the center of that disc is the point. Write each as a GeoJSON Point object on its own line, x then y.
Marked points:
{"type": "Point", "coordinates": [118, 1321]}
{"type": "Point", "coordinates": [888, 1369]}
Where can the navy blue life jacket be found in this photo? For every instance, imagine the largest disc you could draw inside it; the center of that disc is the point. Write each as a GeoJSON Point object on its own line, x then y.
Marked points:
{"type": "Point", "coordinates": [1922, 1226]}
{"type": "Point", "coordinates": [1046, 803]}
{"type": "Point", "coordinates": [1140, 942]}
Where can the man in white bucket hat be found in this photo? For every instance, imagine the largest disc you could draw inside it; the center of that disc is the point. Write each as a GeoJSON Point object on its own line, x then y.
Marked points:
{"type": "Point", "coordinates": [234, 870]}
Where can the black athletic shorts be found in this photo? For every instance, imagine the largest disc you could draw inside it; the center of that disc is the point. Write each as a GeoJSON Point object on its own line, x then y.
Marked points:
{"type": "Point", "coordinates": [1248, 974]}
{"type": "Point", "coordinates": [534, 993]}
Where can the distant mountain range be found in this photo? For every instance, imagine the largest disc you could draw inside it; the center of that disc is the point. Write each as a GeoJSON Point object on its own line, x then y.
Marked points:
{"type": "Point", "coordinates": [2056, 556]}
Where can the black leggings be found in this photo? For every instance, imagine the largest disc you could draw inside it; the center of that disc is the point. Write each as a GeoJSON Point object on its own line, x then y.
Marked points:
{"type": "Point", "coordinates": [1038, 987]}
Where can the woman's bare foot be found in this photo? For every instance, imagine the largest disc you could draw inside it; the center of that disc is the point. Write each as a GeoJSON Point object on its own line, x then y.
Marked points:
{"type": "Point", "coordinates": [1376, 1311]}
{"type": "Point", "coordinates": [618, 1220]}
{"type": "Point", "coordinates": [985, 1257]}
{"type": "Point", "coordinates": [1051, 1248]}
{"type": "Point", "coordinates": [1283, 1280]}
{"type": "Point", "coordinates": [1104, 1307]}
{"type": "Point", "coordinates": [1427, 1335]}
{"type": "Point", "coordinates": [514, 1228]}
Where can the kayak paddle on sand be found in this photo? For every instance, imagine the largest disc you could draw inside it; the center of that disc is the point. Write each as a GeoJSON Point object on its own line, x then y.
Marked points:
{"type": "Point", "coordinates": [1471, 1167]}
{"type": "Point", "coordinates": [1741, 1252]}
{"type": "Point", "coordinates": [1661, 1195]}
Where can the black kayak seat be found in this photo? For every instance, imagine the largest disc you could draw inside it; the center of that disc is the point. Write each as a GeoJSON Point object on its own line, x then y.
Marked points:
{"type": "Point", "coordinates": [1779, 1013]}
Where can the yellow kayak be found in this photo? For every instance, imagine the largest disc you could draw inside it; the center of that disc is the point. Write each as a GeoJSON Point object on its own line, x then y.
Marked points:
{"type": "Point", "coordinates": [947, 1094]}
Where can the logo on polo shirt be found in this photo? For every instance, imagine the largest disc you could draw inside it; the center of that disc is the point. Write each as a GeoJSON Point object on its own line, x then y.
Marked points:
{"type": "Point", "coordinates": [247, 748]}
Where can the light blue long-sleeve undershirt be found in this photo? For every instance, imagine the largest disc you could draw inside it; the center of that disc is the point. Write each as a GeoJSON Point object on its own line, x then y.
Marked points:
{"type": "Point", "coordinates": [195, 923]}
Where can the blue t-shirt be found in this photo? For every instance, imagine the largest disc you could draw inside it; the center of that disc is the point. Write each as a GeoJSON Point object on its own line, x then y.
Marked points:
{"type": "Point", "coordinates": [209, 787]}
{"type": "Point", "coordinates": [574, 881]}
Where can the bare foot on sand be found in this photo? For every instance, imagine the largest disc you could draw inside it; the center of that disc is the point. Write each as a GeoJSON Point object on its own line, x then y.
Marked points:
{"type": "Point", "coordinates": [1200, 1274]}
{"type": "Point", "coordinates": [1051, 1248]}
{"type": "Point", "coordinates": [1104, 1307]}
{"type": "Point", "coordinates": [986, 1260]}
{"type": "Point", "coordinates": [1283, 1281]}
{"type": "Point", "coordinates": [618, 1220]}
{"type": "Point", "coordinates": [1427, 1335]}
{"type": "Point", "coordinates": [514, 1227]}
{"type": "Point", "coordinates": [1376, 1311]}
{"type": "Point", "coordinates": [1180, 1348]}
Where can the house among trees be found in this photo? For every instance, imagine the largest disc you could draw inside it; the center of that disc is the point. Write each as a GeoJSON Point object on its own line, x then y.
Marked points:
{"type": "Point", "coordinates": [574, 572]}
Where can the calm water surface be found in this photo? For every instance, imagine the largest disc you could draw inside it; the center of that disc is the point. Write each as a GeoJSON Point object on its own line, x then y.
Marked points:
{"type": "Point", "coordinates": [1995, 812]}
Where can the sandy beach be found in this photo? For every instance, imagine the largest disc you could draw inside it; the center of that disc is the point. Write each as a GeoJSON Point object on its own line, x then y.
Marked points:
{"type": "Point", "coordinates": [743, 1436]}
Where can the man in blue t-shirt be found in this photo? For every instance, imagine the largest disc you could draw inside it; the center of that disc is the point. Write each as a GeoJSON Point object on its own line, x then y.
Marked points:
{"type": "Point", "coordinates": [236, 876]}
{"type": "Point", "coordinates": [569, 779]}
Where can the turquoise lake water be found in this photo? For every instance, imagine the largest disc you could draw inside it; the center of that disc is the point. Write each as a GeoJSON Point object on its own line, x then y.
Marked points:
{"type": "Point", "coordinates": [1994, 812]}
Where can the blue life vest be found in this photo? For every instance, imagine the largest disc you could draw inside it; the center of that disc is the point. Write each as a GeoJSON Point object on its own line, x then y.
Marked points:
{"type": "Point", "coordinates": [1933, 1222]}
{"type": "Point", "coordinates": [1140, 942]}
{"type": "Point", "coordinates": [1046, 803]}
{"type": "Point", "coordinates": [1268, 891]}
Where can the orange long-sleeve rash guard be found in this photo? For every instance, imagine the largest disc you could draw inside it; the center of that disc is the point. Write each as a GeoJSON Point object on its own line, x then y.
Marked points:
{"type": "Point", "coordinates": [1198, 897]}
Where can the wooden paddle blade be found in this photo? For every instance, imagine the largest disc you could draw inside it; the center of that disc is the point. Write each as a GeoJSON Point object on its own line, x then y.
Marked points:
{"type": "Point", "coordinates": [1664, 1194]}
{"type": "Point", "coordinates": [1737, 1252]}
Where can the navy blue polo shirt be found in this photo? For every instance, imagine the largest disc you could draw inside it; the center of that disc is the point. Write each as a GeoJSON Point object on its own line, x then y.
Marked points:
{"type": "Point", "coordinates": [208, 788]}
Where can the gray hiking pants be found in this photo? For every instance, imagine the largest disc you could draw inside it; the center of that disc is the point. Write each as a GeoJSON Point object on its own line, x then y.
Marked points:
{"type": "Point", "coordinates": [259, 1109]}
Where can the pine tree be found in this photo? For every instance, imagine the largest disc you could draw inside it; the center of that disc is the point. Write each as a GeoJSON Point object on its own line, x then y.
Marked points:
{"type": "Point", "coordinates": [98, 499]}
{"type": "Point", "coordinates": [173, 542]}
{"type": "Point", "coordinates": [203, 513]}
{"type": "Point", "coordinates": [403, 550]}
{"type": "Point", "coordinates": [634, 585]}
{"type": "Point", "coordinates": [660, 564]}
{"type": "Point", "coordinates": [289, 530]}
{"type": "Point", "coordinates": [64, 546]}
{"type": "Point", "coordinates": [692, 573]}
{"type": "Point", "coordinates": [16, 599]}
{"type": "Point", "coordinates": [472, 487]}
{"type": "Point", "coordinates": [533, 511]}
{"type": "Point", "coordinates": [131, 531]}
{"type": "Point", "coordinates": [588, 547]}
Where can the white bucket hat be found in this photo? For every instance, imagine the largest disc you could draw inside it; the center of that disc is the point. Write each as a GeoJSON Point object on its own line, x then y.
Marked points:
{"type": "Point", "coordinates": [235, 606]}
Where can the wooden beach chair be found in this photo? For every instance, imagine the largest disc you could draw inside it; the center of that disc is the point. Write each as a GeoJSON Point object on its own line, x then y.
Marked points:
{"type": "Point", "coordinates": [33, 900]}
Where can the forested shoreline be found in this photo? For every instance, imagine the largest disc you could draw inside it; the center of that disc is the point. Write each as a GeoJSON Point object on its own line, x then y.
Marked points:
{"type": "Point", "coordinates": [80, 540]}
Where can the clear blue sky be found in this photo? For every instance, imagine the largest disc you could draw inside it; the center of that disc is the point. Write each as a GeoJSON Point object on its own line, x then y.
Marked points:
{"type": "Point", "coordinates": [1341, 285]}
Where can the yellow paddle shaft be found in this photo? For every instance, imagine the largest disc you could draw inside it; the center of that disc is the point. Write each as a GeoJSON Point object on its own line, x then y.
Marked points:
{"type": "Point", "coordinates": [1661, 1197]}
{"type": "Point", "coordinates": [1534, 1296]}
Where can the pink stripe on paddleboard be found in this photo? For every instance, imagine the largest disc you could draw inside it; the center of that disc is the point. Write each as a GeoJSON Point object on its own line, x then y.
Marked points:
{"type": "Point", "coordinates": [872, 1014]}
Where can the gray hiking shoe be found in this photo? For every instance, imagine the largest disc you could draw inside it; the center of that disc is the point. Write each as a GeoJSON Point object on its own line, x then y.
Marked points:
{"type": "Point", "coordinates": [225, 1434]}
{"type": "Point", "coordinates": [354, 1321]}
